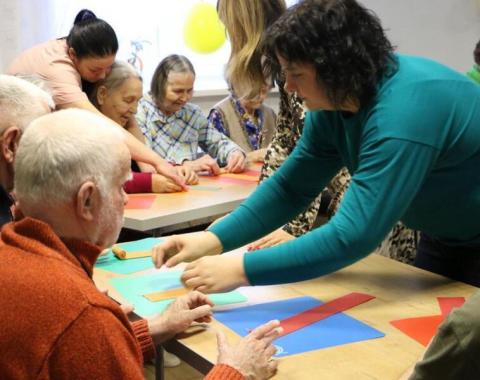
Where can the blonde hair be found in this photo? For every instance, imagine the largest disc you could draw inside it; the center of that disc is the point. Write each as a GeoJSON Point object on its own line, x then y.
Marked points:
{"type": "Point", "coordinates": [246, 22]}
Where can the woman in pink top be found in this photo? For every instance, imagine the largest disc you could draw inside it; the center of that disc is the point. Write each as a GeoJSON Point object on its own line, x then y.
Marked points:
{"type": "Point", "coordinates": [85, 55]}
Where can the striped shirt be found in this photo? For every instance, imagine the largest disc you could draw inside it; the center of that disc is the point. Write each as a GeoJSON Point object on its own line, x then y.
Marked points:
{"type": "Point", "coordinates": [185, 135]}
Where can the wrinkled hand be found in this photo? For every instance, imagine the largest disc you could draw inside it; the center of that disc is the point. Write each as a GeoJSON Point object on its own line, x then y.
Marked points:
{"type": "Point", "coordinates": [252, 356]}
{"type": "Point", "coordinates": [236, 162]}
{"type": "Point", "coordinates": [204, 164]}
{"type": "Point", "coordinates": [169, 171]}
{"type": "Point", "coordinates": [179, 315]}
{"type": "Point", "coordinates": [185, 248]}
{"type": "Point", "coordinates": [274, 238]}
{"type": "Point", "coordinates": [162, 184]}
{"type": "Point", "coordinates": [188, 174]}
{"type": "Point", "coordinates": [257, 155]}
{"type": "Point", "coordinates": [215, 274]}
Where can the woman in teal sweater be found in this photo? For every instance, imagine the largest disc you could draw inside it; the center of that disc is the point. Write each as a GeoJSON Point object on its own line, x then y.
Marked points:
{"type": "Point", "coordinates": [408, 130]}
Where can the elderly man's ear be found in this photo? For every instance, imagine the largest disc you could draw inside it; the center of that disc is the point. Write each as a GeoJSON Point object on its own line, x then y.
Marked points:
{"type": "Point", "coordinates": [9, 143]}
{"type": "Point", "coordinates": [88, 201]}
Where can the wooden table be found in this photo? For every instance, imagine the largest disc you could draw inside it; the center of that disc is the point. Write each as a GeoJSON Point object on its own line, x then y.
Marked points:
{"type": "Point", "coordinates": [401, 291]}
{"type": "Point", "coordinates": [191, 207]}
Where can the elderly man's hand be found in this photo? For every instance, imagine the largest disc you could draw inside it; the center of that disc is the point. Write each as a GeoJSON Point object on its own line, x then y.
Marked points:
{"type": "Point", "coordinates": [236, 162]}
{"type": "Point", "coordinates": [179, 315]}
{"type": "Point", "coordinates": [215, 274]}
{"type": "Point", "coordinates": [185, 248]}
{"type": "Point", "coordinates": [252, 356]}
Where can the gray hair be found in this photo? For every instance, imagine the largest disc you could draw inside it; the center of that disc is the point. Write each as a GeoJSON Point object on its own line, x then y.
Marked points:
{"type": "Point", "coordinates": [21, 102]}
{"type": "Point", "coordinates": [173, 63]}
{"type": "Point", "coordinates": [119, 73]}
{"type": "Point", "coordinates": [60, 151]}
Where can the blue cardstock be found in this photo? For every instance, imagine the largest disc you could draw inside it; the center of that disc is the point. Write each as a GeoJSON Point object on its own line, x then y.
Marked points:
{"type": "Point", "coordinates": [133, 289]}
{"type": "Point", "coordinates": [333, 331]}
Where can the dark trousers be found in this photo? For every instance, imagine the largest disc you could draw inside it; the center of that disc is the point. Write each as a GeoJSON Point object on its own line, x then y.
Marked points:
{"type": "Point", "coordinates": [456, 262]}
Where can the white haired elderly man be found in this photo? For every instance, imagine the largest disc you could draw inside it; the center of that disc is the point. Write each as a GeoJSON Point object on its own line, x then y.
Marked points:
{"type": "Point", "coordinates": [20, 103]}
{"type": "Point", "coordinates": [70, 170]}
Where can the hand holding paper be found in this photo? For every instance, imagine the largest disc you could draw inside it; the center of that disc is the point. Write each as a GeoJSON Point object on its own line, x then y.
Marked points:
{"type": "Point", "coordinates": [185, 248]}
{"type": "Point", "coordinates": [215, 274]}
{"type": "Point", "coordinates": [179, 315]}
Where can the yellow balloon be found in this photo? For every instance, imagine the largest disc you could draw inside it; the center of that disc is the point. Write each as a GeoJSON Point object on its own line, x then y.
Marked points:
{"type": "Point", "coordinates": [203, 31]}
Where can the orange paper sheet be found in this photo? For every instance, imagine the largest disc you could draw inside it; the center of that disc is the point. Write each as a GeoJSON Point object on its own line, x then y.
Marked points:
{"type": "Point", "coordinates": [163, 295]}
{"type": "Point", "coordinates": [422, 329]}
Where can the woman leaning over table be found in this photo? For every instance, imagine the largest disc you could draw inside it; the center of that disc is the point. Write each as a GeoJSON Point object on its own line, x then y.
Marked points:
{"type": "Point", "coordinates": [82, 58]}
{"type": "Point", "coordinates": [395, 121]}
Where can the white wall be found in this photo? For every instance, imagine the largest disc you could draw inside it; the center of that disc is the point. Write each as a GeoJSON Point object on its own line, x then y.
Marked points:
{"type": "Point", "coordinates": [445, 30]}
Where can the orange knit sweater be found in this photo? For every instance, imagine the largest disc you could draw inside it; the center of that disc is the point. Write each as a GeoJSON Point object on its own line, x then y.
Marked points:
{"type": "Point", "coordinates": [55, 323]}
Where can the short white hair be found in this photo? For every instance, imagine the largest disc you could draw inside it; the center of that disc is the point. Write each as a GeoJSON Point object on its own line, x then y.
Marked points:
{"type": "Point", "coordinates": [21, 102]}
{"type": "Point", "coordinates": [60, 151]}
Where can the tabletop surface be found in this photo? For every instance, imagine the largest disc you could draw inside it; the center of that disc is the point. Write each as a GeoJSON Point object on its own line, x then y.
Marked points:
{"type": "Point", "coordinates": [400, 291]}
{"type": "Point", "coordinates": [211, 197]}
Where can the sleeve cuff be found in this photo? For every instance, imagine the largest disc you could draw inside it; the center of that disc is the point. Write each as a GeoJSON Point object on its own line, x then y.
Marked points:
{"type": "Point", "coordinates": [140, 183]}
{"type": "Point", "coordinates": [145, 341]}
{"type": "Point", "coordinates": [224, 372]}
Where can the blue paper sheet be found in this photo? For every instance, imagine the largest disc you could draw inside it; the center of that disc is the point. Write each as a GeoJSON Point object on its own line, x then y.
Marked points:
{"type": "Point", "coordinates": [332, 331]}
{"type": "Point", "coordinates": [111, 263]}
{"type": "Point", "coordinates": [133, 289]}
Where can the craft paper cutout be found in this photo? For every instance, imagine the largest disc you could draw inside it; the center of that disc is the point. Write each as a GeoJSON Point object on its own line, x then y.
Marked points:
{"type": "Point", "coordinates": [447, 304]}
{"type": "Point", "coordinates": [165, 294]}
{"type": "Point", "coordinates": [133, 289]}
{"type": "Point", "coordinates": [323, 311]}
{"type": "Point", "coordinates": [422, 329]}
{"type": "Point", "coordinates": [140, 201]}
{"type": "Point", "coordinates": [336, 330]}
{"type": "Point", "coordinates": [113, 264]}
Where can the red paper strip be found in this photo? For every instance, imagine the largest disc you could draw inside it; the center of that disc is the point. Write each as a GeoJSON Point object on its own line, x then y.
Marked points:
{"type": "Point", "coordinates": [422, 329]}
{"type": "Point", "coordinates": [323, 311]}
{"type": "Point", "coordinates": [140, 201]}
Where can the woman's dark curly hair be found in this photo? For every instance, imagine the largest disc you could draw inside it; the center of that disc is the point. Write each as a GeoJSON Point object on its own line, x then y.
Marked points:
{"type": "Point", "coordinates": [342, 39]}
{"type": "Point", "coordinates": [476, 53]}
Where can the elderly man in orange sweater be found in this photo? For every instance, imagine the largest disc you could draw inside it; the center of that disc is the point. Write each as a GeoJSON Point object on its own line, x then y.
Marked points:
{"type": "Point", "coordinates": [69, 176]}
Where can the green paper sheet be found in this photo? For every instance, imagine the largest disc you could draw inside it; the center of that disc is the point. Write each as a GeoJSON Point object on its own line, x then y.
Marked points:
{"type": "Point", "coordinates": [134, 287]}
{"type": "Point", "coordinates": [111, 263]}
